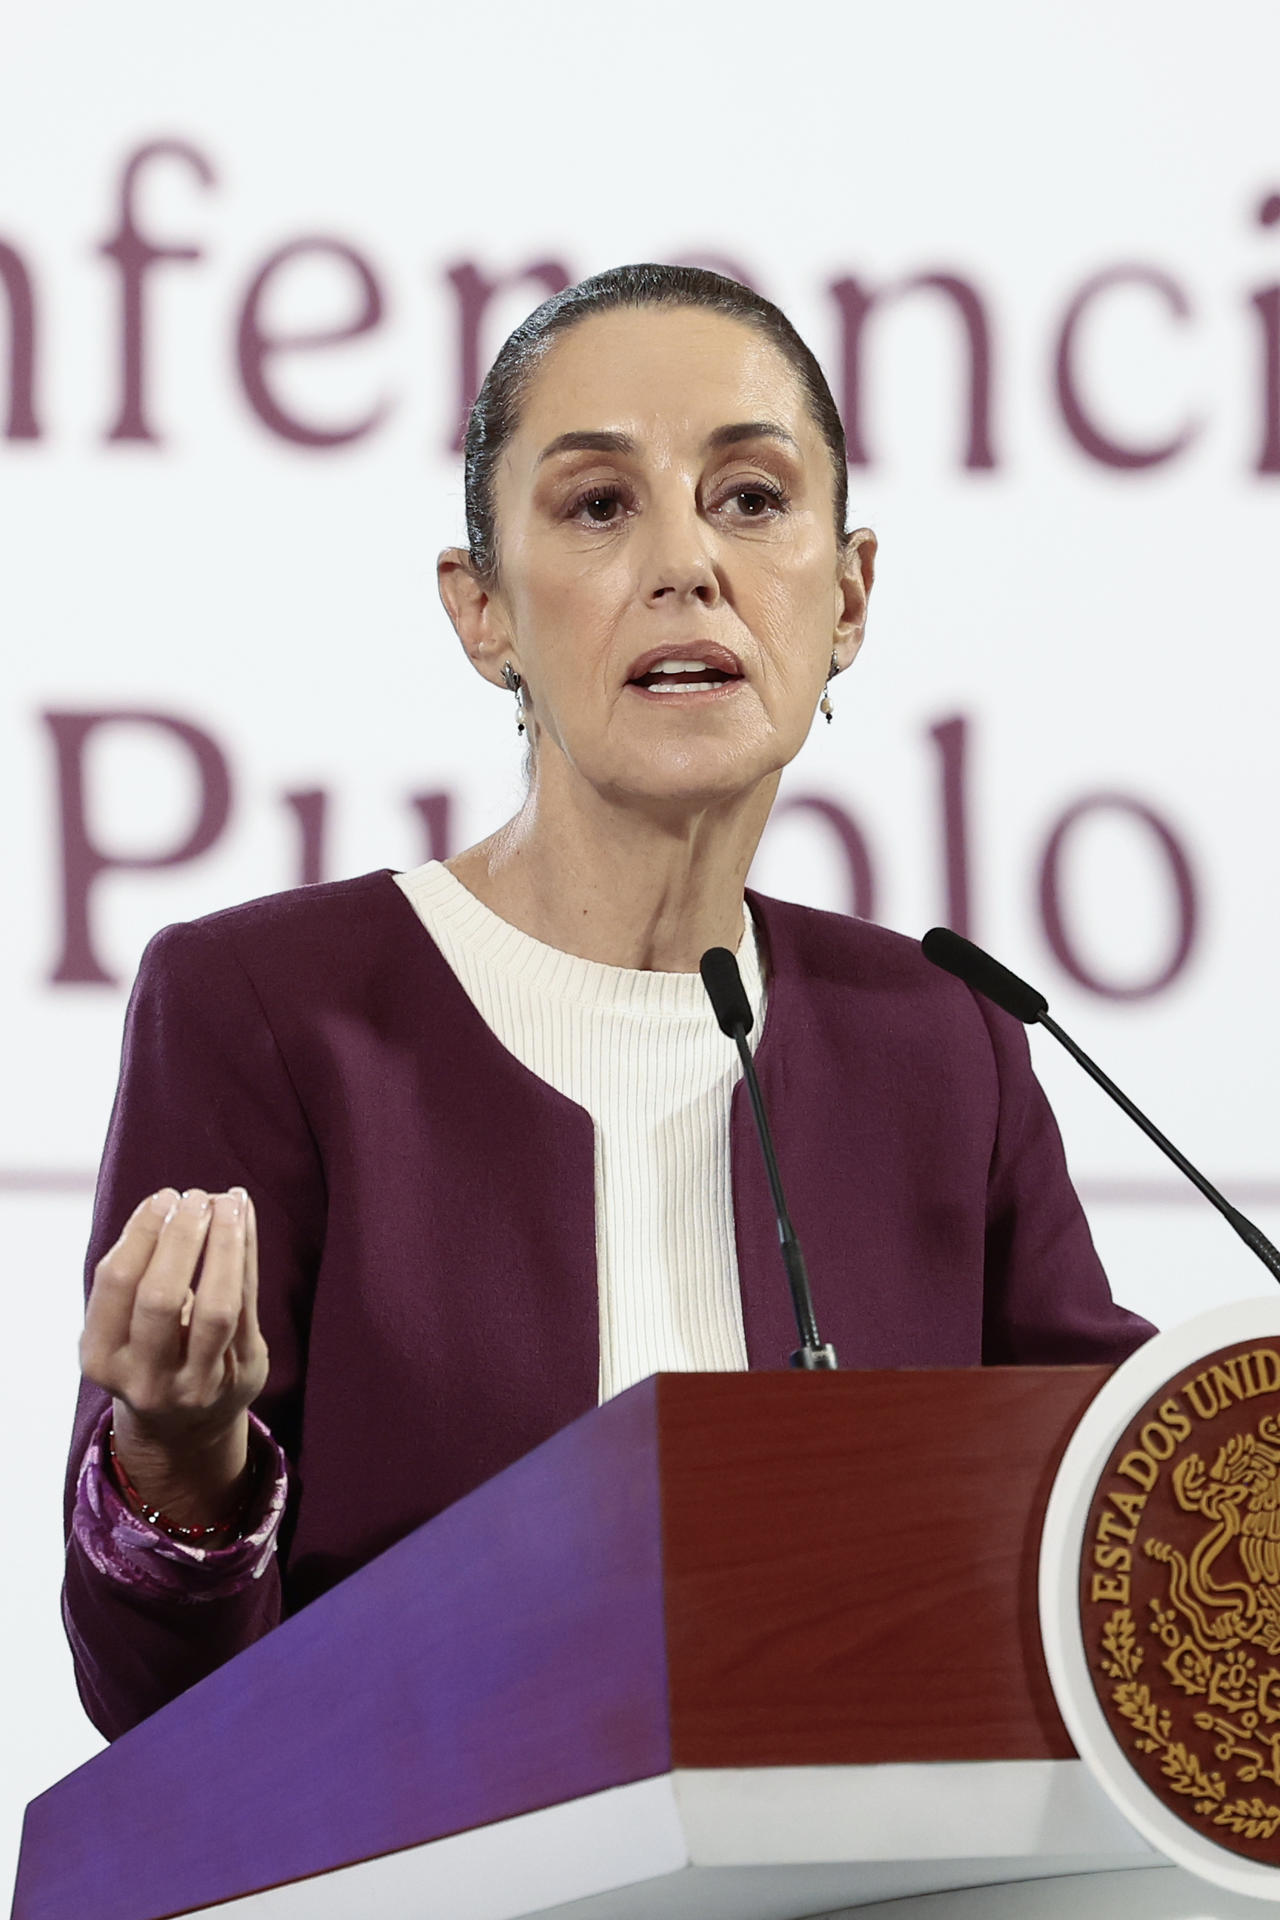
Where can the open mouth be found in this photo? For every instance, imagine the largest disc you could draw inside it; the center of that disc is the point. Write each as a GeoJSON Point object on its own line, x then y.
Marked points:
{"type": "Point", "coordinates": [684, 672]}
{"type": "Point", "coordinates": [684, 676]}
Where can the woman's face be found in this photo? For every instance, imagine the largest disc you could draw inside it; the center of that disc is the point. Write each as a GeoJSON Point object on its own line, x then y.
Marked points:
{"type": "Point", "coordinates": [670, 586]}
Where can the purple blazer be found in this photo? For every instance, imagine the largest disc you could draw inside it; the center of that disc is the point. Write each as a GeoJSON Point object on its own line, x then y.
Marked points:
{"type": "Point", "coordinates": [426, 1210]}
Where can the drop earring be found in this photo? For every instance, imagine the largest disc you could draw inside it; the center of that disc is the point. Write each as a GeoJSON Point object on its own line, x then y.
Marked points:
{"type": "Point", "coordinates": [824, 705]}
{"type": "Point", "coordinates": [514, 684]}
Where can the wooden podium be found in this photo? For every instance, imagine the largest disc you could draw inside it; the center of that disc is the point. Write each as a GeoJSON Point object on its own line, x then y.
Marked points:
{"type": "Point", "coordinates": [739, 1645]}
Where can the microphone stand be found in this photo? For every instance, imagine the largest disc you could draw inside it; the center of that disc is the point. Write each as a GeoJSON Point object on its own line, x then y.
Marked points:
{"type": "Point", "coordinates": [728, 997]}
{"type": "Point", "coordinates": [813, 1354]}
{"type": "Point", "coordinates": [981, 974]}
{"type": "Point", "coordinates": [1253, 1237]}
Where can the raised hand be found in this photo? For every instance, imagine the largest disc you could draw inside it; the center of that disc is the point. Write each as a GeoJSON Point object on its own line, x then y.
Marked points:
{"type": "Point", "coordinates": [180, 1351]}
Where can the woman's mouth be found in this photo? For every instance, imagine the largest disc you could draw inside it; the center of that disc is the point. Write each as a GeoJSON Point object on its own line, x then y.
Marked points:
{"type": "Point", "coordinates": [684, 676]}
{"type": "Point", "coordinates": [684, 672]}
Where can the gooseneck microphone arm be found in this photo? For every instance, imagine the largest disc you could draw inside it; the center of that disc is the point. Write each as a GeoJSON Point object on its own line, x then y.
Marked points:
{"type": "Point", "coordinates": [732, 1008]}
{"type": "Point", "coordinates": [986, 976]}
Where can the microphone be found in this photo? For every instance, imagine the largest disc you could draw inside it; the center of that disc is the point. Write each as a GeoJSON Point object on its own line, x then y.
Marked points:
{"type": "Point", "coordinates": [732, 1009]}
{"type": "Point", "coordinates": [986, 976]}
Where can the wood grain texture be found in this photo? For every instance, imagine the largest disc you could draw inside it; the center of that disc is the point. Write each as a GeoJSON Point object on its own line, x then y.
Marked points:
{"type": "Point", "coordinates": [850, 1564]}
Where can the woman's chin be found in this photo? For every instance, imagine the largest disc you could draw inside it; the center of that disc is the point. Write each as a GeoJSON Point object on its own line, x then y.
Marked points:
{"type": "Point", "coordinates": [692, 773]}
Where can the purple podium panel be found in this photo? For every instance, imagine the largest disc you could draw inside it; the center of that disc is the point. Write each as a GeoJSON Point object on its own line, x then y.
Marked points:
{"type": "Point", "coordinates": [505, 1657]}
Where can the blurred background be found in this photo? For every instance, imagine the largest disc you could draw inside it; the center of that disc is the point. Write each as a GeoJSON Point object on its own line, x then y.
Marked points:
{"type": "Point", "coordinates": [253, 263]}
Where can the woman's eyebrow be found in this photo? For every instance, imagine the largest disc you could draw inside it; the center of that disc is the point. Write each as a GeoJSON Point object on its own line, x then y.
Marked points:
{"type": "Point", "coordinates": [752, 430]}
{"type": "Point", "coordinates": [587, 443]}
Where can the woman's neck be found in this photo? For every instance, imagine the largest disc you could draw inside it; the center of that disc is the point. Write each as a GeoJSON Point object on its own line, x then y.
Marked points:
{"type": "Point", "coordinates": [618, 883]}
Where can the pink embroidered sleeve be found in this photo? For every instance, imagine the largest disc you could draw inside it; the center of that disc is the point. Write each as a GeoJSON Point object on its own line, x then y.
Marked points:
{"type": "Point", "coordinates": [129, 1550]}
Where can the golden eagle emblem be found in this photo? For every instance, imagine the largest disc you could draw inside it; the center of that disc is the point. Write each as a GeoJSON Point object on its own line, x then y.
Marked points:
{"type": "Point", "coordinates": [1180, 1601]}
{"type": "Point", "coordinates": [1240, 1498]}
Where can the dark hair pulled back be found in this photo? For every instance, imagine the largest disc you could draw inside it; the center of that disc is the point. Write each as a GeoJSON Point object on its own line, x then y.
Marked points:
{"type": "Point", "coordinates": [495, 415]}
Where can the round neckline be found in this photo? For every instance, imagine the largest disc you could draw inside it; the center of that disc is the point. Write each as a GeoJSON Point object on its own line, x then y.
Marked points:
{"type": "Point", "coordinates": [504, 939]}
{"type": "Point", "coordinates": [774, 1010]}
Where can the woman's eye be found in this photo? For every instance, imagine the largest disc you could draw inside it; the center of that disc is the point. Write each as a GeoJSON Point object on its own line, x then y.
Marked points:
{"type": "Point", "coordinates": [600, 507]}
{"type": "Point", "coordinates": [755, 503]}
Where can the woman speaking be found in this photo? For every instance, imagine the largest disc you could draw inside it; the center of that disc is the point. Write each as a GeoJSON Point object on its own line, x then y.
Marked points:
{"type": "Point", "coordinates": [420, 1166]}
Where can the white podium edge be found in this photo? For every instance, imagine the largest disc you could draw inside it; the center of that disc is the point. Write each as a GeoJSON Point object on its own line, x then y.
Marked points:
{"type": "Point", "coordinates": [916, 1829]}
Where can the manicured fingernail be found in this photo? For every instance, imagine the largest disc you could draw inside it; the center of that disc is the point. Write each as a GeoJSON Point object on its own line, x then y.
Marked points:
{"type": "Point", "coordinates": [163, 1202]}
{"type": "Point", "coordinates": [241, 1195]}
{"type": "Point", "coordinates": [195, 1200]}
{"type": "Point", "coordinates": [227, 1206]}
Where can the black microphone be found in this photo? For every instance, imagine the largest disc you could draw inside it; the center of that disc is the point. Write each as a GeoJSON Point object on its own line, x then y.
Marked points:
{"type": "Point", "coordinates": [986, 976]}
{"type": "Point", "coordinates": [728, 998]}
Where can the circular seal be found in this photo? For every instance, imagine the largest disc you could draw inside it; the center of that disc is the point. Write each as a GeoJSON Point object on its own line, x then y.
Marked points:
{"type": "Point", "coordinates": [1160, 1593]}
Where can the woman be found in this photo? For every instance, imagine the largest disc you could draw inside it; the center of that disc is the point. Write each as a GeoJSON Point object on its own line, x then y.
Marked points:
{"type": "Point", "coordinates": [473, 1126]}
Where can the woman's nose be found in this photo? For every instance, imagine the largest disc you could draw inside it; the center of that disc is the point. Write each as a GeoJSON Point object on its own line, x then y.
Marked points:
{"type": "Point", "coordinates": [688, 584]}
{"type": "Point", "coordinates": [679, 564]}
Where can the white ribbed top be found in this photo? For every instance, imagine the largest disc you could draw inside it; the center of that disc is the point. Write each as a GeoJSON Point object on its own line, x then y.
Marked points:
{"type": "Point", "coordinates": [642, 1053]}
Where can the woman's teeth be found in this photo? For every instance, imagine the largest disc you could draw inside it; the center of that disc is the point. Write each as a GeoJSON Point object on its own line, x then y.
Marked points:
{"type": "Point", "coordinates": [682, 676]}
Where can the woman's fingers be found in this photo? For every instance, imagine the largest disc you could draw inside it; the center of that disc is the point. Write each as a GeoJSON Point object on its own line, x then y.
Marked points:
{"type": "Point", "coordinates": [248, 1340]}
{"type": "Point", "coordinates": [155, 1331]}
{"type": "Point", "coordinates": [115, 1280]}
{"type": "Point", "coordinates": [169, 1346]}
{"type": "Point", "coordinates": [219, 1298]}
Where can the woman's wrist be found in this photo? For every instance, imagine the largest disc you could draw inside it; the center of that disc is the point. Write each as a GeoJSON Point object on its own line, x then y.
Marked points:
{"type": "Point", "coordinates": [178, 1567]}
{"type": "Point", "coordinates": [198, 1481]}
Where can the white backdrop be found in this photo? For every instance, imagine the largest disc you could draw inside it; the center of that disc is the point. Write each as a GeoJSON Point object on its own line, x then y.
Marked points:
{"type": "Point", "coordinates": [1076, 599]}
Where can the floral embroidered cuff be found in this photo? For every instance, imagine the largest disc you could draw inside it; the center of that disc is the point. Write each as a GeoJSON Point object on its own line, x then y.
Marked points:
{"type": "Point", "coordinates": [125, 1548]}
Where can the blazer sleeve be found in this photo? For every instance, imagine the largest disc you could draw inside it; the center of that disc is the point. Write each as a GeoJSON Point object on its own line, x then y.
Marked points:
{"type": "Point", "coordinates": [1046, 1297]}
{"type": "Point", "coordinates": [205, 1099]}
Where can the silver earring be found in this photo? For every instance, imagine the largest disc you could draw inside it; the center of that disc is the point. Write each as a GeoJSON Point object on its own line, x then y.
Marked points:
{"type": "Point", "coordinates": [514, 684]}
{"type": "Point", "coordinates": [824, 705]}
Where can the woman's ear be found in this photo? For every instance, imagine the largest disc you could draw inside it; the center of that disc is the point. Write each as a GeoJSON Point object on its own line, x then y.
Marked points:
{"type": "Point", "coordinates": [857, 572]}
{"type": "Point", "coordinates": [476, 612]}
